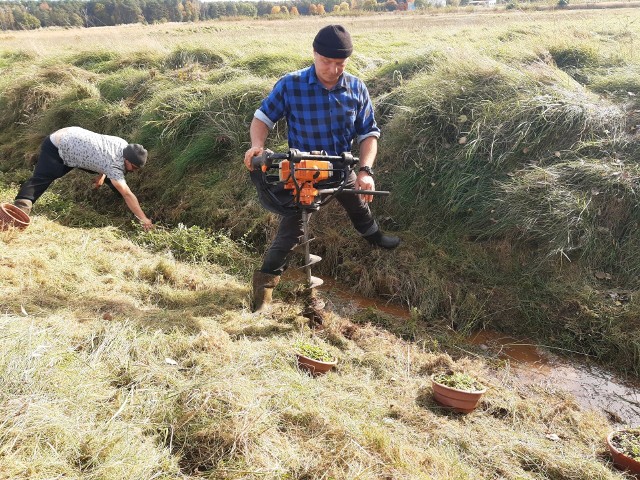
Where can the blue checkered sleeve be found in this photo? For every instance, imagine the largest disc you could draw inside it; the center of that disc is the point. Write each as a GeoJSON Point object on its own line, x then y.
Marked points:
{"type": "Point", "coordinates": [317, 118]}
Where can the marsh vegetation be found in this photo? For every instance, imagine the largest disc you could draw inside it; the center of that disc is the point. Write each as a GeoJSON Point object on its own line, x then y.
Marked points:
{"type": "Point", "coordinates": [510, 144]}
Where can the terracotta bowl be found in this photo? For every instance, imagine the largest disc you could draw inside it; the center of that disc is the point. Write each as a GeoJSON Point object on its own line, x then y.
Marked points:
{"type": "Point", "coordinates": [461, 401]}
{"type": "Point", "coordinates": [315, 367]}
{"type": "Point", "coordinates": [12, 217]}
{"type": "Point", "coordinates": [620, 460]}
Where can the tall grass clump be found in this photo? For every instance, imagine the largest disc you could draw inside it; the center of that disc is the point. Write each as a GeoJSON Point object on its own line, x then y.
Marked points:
{"type": "Point", "coordinates": [9, 58]}
{"type": "Point", "coordinates": [474, 121]}
{"type": "Point", "coordinates": [583, 208]}
{"type": "Point", "coordinates": [223, 111]}
{"type": "Point", "coordinates": [94, 60]}
{"type": "Point", "coordinates": [267, 64]}
{"type": "Point", "coordinates": [188, 55]}
{"type": "Point", "coordinates": [129, 84]}
{"type": "Point", "coordinates": [24, 100]}
{"type": "Point", "coordinates": [396, 73]}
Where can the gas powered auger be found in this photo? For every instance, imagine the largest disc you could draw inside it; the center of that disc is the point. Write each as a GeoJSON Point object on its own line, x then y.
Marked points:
{"type": "Point", "coordinates": [294, 182]}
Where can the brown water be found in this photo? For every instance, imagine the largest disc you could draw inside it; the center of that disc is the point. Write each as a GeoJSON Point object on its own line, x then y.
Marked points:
{"type": "Point", "coordinates": [531, 364]}
{"type": "Point", "coordinates": [592, 386]}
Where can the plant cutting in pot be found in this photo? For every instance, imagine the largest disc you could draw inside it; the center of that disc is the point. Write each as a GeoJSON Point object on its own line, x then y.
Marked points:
{"type": "Point", "coordinates": [459, 391]}
{"type": "Point", "coordinates": [314, 359]}
{"type": "Point", "coordinates": [624, 446]}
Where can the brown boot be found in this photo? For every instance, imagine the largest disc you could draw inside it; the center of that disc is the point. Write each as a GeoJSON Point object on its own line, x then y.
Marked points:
{"type": "Point", "coordinates": [23, 204]}
{"type": "Point", "coordinates": [263, 285]}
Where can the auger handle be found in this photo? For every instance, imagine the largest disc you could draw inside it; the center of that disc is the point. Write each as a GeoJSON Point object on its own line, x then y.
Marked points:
{"type": "Point", "coordinates": [296, 156]}
{"type": "Point", "coordinates": [266, 159]}
{"type": "Point", "coordinates": [355, 191]}
{"type": "Point", "coordinates": [262, 162]}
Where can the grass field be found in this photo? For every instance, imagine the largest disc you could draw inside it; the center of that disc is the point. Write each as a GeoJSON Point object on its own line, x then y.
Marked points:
{"type": "Point", "coordinates": [510, 145]}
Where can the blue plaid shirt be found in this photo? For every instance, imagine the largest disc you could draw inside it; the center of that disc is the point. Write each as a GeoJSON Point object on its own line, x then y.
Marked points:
{"type": "Point", "coordinates": [317, 118]}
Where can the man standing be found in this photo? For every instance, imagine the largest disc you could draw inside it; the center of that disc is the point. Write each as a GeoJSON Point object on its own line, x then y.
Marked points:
{"type": "Point", "coordinates": [75, 147]}
{"type": "Point", "coordinates": [326, 109]}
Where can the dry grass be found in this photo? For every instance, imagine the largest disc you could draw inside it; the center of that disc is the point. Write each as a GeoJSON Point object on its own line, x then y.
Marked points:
{"type": "Point", "coordinates": [120, 363]}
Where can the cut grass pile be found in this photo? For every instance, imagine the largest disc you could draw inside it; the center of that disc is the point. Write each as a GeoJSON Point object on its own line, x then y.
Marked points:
{"type": "Point", "coordinates": [118, 362]}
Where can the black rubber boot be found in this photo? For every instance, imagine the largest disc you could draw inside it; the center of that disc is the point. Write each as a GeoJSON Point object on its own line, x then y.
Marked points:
{"type": "Point", "coordinates": [263, 285]}
{"type": "Point", "coordinates": [384, 241]}
{"type": "Point", "coordinates": [23, 204]}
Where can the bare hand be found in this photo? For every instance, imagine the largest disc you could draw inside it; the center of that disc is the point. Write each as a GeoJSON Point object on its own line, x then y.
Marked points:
{"type": "Point", "coordinates": [248, 156]}
{"type": "Point", "coordinates": [147, 225]}
{"type": "Point", "coordinates": [98, 181]}
{"type": "Point", "coordinates": [365, 182]}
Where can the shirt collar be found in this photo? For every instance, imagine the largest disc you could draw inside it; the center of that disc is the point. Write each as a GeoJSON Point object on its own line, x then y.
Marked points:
{"type": "Point", "coordinates": [313, 79]}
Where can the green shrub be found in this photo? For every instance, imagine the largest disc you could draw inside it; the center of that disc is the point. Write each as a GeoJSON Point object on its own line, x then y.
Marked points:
{"type": "Point", "coordinates": [194, 244]}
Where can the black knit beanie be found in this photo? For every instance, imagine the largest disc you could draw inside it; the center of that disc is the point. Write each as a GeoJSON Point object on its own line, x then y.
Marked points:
{"type": "Point", "coordinates": [136, 154]}
{"type": "Point", "coordinates": [333, 41]}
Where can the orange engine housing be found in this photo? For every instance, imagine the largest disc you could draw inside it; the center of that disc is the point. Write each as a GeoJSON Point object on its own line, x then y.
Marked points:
{"type": "Point", "coordinates": [307, 174]}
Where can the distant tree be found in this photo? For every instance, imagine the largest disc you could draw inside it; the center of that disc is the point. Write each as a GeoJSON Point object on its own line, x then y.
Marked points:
{"type": "Point", "coordinates": [391, 5]}
{"type": "Point", "coordinates": [7, 22]}
{"type": "Point", "coordinates": [303, 7]}
{"type": "Point", "coordinates": [320, 9]}
{"type": "Point", "coordinates": [247, 9]}
{"type": "Point", "coordinates": [191, 11]}
{"type": "Point", "coordinates": [155, 11]}
{"type": "Point", "coordinates": [275, 10]}
{"type": "Point", "coordinates": [264, 8]}
{"type": "Point", "coordinates": [294, 11]}
{"type": "Point", "coordinates": [24, 20]}
{"type": "Point", "coordinates": [329, 5]}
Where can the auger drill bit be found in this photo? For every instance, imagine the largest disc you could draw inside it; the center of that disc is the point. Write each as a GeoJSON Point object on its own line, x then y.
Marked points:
{"type": "Point", "coordinates": [313, 305]}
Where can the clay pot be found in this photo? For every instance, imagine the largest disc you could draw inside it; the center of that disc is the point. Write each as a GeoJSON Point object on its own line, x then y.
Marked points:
{"type": "Point", "coordinates": [12, 216]}
{"type": "Point", "coordinates": [621, 459]}
{"type": "Point", "coordinates": [461, 401]}
{"type": "Point", "coordinates": [315, 367]}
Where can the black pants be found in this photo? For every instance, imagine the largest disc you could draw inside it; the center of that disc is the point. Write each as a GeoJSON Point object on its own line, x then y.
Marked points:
{"type": "Point", "coordinates": [290, 231]}
{"type": "Point", "coordinates": [49, 168]}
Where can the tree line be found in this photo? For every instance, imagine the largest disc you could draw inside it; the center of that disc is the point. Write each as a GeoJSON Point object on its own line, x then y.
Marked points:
{"type": "Point", "coordinates": [27, 15]}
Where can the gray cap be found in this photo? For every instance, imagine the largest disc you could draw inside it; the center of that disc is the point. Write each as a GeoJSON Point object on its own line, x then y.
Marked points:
{"type": "Point", "coordinates": [136, 154]}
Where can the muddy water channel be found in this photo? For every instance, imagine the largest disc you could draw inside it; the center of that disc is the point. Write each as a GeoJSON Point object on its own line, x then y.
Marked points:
{"type": "Point", "coordinates": [593, 387]}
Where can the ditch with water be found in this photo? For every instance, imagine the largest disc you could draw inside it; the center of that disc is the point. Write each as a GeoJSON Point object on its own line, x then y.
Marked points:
{"type": "Point", "coordinates": [592, 386]}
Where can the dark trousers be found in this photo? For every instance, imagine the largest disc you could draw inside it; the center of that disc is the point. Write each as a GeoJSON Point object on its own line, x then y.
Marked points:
{"type": "Point", "coordinates": [48, 168]}
{"type": "Point", "coordinates": [290, 231]}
